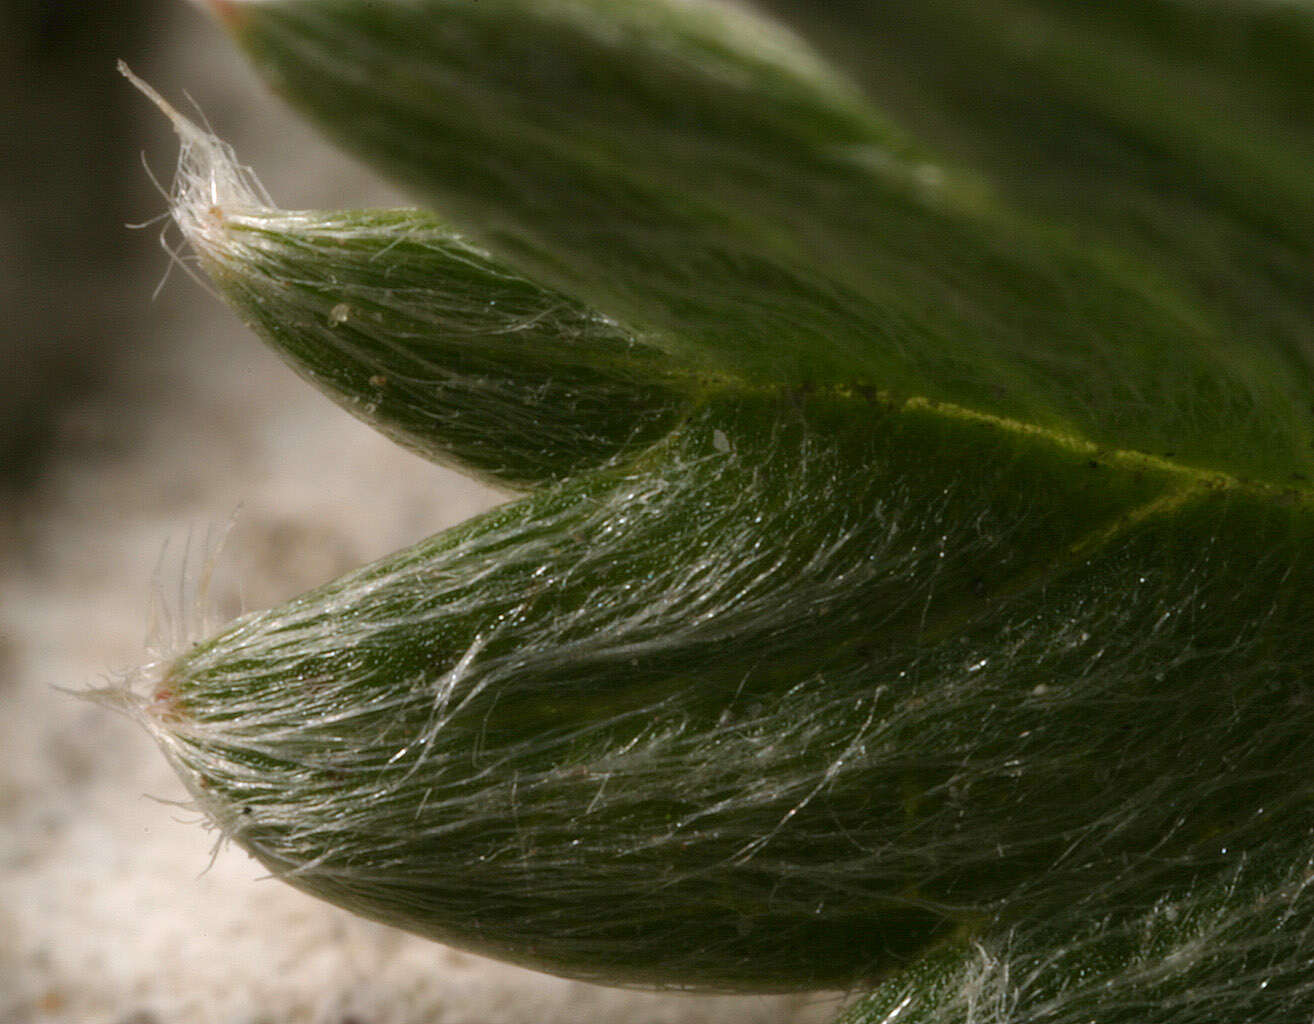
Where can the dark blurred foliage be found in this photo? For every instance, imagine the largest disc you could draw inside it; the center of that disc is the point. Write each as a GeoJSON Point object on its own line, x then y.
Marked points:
{"type": "Point", "coordinates": [71, 275]}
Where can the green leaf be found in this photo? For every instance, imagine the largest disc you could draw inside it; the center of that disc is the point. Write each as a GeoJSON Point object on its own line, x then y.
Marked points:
{"type": "Point", "coordinates": [419, 333]}
{"type": "Point", "coordinates": [439, 346]}
{"type": "Point", "coordinates": [806, 692]}
{"type": "Point", "coordinates": [1179, 129]}
{"type": "Point", "coordinates": [1223, 951]}
{"type": "Point", "coordinates": [698, 173]}
{"type": "Point", "coordinates": [916, 591]}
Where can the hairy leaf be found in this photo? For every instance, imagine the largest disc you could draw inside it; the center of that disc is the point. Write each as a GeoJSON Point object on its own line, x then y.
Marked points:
{"type": "Point", "coordinates": [696, 172]}
{"type": "Point", "coordinates": [916, 588]}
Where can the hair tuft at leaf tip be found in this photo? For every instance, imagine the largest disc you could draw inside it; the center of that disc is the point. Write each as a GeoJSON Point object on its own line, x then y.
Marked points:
{"type": "Point", "coordinates": [210, 183]}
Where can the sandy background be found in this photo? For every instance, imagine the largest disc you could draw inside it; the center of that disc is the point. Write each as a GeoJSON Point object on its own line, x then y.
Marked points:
{"type": "Point", "coordinates": [130, 430]}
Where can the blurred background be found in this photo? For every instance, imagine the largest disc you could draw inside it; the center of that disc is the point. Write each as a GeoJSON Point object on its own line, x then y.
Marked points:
{"type": "Point", "coordinates": [137, 421]}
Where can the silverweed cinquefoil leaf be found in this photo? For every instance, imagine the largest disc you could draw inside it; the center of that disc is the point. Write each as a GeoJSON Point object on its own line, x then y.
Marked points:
{"type": "Point", "coordinates": [913, 589]}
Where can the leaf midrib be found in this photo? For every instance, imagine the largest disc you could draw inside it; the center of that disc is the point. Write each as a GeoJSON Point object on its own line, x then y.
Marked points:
{"type": "Point", "coordinates": [1193, 479]}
